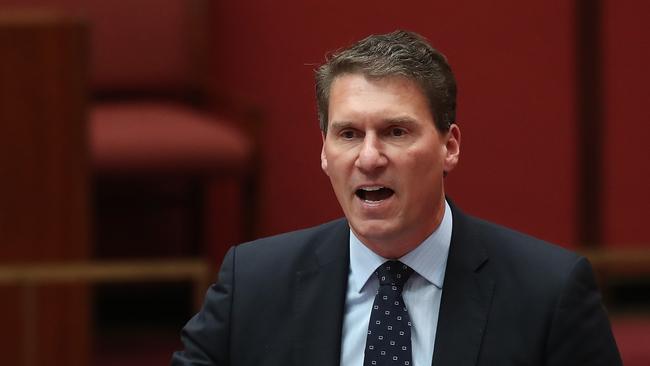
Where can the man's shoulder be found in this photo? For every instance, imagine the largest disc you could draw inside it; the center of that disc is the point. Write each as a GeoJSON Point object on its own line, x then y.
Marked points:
{"type": "Point", "coordinates": [265, 260]}
{"type": "Point", "coordinates": [297, 237]}
{"type": "Point", "coordinates": [296, 244]}
{"type": "Point", "coordinates": [498, 237]}
{"type": "Point", "coordinates": [512, 251]}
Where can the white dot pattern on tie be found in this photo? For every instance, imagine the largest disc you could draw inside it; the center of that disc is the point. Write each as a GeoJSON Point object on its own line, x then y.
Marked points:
{"type": "Point", "coordinates": [389, 335]}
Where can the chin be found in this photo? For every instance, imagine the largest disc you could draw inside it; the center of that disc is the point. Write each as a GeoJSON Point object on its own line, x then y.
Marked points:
{"type": "Point", "coordinates": [374, 231]}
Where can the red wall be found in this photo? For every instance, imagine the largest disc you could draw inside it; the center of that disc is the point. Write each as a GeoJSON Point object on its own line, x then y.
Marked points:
{"type": "Point", "coordinates": [627, 123]}
{"type": "Point", "coordinates": [514, 62]}
{"type": "Point", "coordinates": [515, 65]}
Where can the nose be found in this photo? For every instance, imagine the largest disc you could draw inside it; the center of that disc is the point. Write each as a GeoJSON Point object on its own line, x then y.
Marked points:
{"type": "Point", "coordinates": [371, 155]}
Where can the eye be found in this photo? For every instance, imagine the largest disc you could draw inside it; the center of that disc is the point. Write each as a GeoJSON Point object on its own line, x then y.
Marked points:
{"type": "Point", "coordinates": [397, 131]}
{"type": "Point", "coordinates": [348, 134]}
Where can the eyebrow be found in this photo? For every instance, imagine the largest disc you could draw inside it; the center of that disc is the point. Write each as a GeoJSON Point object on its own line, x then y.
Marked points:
{"type": "Point", "coordinates": [340, 125]}
{"type": "Point", "coordinates": [402, 120]}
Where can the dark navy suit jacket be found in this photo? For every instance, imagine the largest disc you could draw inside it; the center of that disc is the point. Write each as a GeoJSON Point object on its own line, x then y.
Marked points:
{"type": "Point", "coordinates": [508, 299]}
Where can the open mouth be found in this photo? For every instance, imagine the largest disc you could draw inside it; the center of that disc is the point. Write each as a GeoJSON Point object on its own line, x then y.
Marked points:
{"type": "Point", "coordinates": [374, 194]}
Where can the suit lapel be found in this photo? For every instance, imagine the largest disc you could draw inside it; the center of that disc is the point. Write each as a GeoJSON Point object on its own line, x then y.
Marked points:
{"type": "Point", "coordinates": [321, 285]}
{"type": "Point", "coordinates": [320, 298]}
{"type": "Point", "coordinates": [466, 298]}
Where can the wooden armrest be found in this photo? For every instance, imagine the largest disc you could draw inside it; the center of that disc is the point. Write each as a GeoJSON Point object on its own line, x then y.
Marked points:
{"type": "Point", "coordinates": [91, 272]}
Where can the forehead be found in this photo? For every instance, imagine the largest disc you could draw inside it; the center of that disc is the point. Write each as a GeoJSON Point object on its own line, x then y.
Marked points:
{"type": "Point", "coordinates": [357, 80]}
{"type": "Point", "coordinates": [352, 94]}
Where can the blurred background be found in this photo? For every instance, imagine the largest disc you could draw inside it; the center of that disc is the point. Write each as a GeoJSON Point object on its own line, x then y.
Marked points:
{"type": "Point", "coordinates": [139, 140]}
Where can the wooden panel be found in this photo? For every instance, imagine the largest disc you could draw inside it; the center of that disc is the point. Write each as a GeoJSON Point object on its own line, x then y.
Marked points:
{"type": "Point", "coordinates": [44, 185]}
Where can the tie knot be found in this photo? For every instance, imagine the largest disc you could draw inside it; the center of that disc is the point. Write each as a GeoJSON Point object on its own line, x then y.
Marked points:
{"type": "Point", "coordinates": [393, 273]}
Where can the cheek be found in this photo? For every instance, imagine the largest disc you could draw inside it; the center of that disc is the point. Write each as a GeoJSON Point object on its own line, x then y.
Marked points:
{"type": "Point", "coordinates": [337, 162]}
{"type": "Point", "coordinates": [420, 163]}
{"type": "Point", "coordinates": [421, 174]}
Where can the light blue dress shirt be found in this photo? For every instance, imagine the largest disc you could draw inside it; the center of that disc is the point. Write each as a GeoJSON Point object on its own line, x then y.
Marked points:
{"type": "Point", "coordinates": [422, 294]}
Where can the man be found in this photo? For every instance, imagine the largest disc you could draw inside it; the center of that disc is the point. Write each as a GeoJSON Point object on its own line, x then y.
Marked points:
{"type": "Point", "coordinates": [406, 278]}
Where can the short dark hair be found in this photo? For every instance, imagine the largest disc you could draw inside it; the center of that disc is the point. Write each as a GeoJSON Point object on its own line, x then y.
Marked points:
{"type": "Point", "coordinates": [399, 53]}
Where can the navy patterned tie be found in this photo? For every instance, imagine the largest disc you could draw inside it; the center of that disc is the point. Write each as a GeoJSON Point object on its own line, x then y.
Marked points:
{"type": "Point", "coordinates": [389, 331]}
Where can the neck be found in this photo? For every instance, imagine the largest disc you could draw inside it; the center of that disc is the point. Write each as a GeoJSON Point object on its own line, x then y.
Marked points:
{"type": "Point", "coordinates": [398, 246]}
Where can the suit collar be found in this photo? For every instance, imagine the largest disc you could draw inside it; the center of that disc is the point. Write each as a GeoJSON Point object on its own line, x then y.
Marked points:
{"type": "Point", "coordinates": [466, 297]}
{"type": "Point", "coordinates": [321, 285]}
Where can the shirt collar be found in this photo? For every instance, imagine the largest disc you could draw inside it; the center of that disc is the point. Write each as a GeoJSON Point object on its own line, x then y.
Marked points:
{"type": "Point", "coordinates": [428, 259]}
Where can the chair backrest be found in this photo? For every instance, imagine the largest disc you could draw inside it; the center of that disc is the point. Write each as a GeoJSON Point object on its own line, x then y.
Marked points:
{"type": "Point", "coordinates": [138, 46]}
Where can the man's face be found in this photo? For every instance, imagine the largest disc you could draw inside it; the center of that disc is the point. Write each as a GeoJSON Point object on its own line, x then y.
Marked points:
{"type": "Point", "coordinates": [385, 160]}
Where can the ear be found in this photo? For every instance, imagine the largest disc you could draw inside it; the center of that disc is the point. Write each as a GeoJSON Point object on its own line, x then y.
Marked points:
{"type": "Point", "coordinates": [323, 157]}
{"type": "Point", "coordinates": [452, 148]}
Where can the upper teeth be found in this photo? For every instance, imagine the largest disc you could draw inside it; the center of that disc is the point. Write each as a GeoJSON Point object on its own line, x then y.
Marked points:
{"type": "Point", "coordinates": [374, 188]}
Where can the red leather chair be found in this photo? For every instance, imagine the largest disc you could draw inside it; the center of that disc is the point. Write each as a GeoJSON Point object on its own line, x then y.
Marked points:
{"type": "Point", "coordinates": [150, 72]}
{"type": "Point", "coordinates": [154, 129]}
